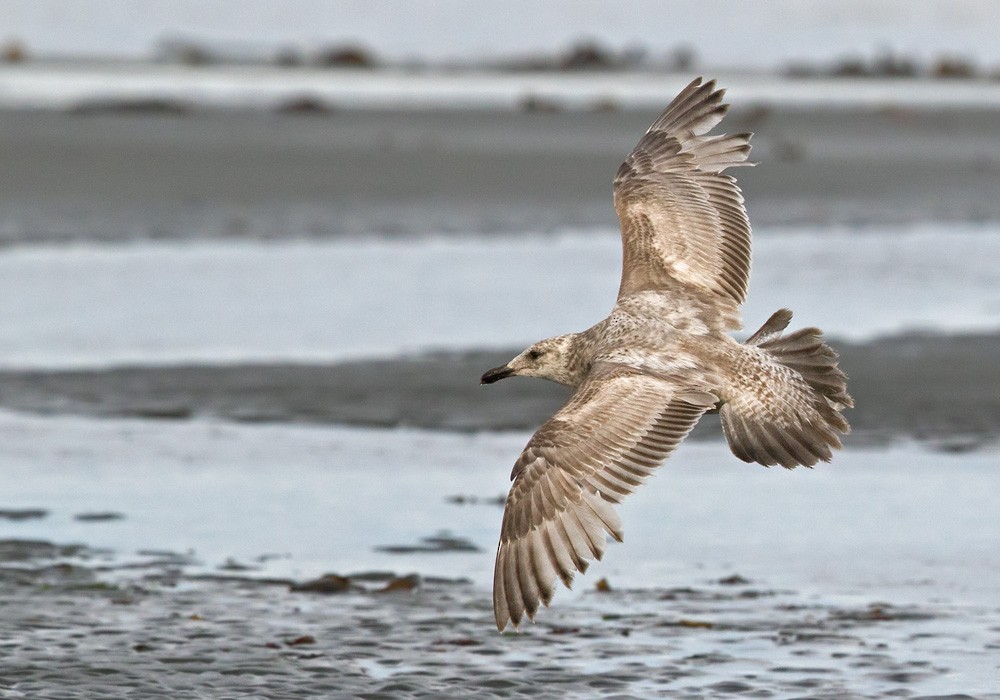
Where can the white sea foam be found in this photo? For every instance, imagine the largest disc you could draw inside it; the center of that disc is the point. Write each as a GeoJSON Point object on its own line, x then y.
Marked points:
{"type": "Point", "coordinates": [218, 302]}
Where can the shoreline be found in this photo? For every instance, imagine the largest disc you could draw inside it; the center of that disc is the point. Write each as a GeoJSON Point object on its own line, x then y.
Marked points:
{"type": "Point", "coordinates": [938, 389]}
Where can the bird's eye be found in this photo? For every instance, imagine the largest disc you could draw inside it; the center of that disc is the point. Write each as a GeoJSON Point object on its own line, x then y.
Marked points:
{"type": "Point", "coordinates": [534, 354]}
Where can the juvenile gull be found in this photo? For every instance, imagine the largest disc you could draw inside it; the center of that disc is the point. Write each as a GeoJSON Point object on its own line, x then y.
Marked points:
{"type": "Point", "coordinates": [645, 374]}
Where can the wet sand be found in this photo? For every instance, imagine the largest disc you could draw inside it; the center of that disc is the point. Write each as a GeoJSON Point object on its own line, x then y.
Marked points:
{"type": "Point", "coordinates": [870, 577]}
{"type": "Point", "coordinates": [125, 176]}
{"type": "Point", "coordinates": [943, 389]}
{"type": "Point", "coordinates": [161, 633]}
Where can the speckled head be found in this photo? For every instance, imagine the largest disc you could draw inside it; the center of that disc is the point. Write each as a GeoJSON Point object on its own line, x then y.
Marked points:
{"type": "Point", "coordinates": [554, 359]}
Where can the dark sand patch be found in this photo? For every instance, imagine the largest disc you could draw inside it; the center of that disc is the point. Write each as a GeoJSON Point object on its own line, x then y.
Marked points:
{"type": "Point", "coordinates": [70, 633]}
{"type": "Point", "coordinates": [441, 543]}
{"type": "Point", "coordinates": [98, 517]}
{"type": "Point", "coordinates": [941, 389]}
{"type": "Point", "coordinates": [147, 175]}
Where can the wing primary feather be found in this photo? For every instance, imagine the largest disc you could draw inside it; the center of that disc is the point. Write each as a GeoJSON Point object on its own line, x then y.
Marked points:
{"type": "Point", "coordinates": [559, 554]}
{"type": "Point", "coordinates": [606, 514]}
{"type": "Point", "coordinates": [530, 592]}
{"type": "Point", "coordinates": [515, 602]}
{"type": "Point", "coordinates": [584, 543]}
{"type": "Point", "coordinates": [569, 544]}
{"type": "Point", "coordinates": [684, 226]}
{"type": "Point", "coordinates": [543, 567]}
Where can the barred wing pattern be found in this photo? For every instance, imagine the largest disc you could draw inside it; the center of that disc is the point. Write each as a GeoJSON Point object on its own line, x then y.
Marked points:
{"type": "Point", "coordinates": [683, 223]}
{"type": "Point", "coordinates": [611, 435]}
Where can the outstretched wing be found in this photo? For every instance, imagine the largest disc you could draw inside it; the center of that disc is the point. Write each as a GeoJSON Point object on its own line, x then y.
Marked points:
{"type": "Point", "coordinates": [683, 222]}
{"type": "Point", "coordinates": [610, 436]}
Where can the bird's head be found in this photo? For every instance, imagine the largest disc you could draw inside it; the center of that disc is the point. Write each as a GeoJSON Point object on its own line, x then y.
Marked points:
{"type": "Point", "coordinates": [548, 359]}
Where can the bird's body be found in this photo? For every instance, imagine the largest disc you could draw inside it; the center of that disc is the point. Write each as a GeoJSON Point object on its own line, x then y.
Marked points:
{"type": "Point", "coordinates": [663, 357]}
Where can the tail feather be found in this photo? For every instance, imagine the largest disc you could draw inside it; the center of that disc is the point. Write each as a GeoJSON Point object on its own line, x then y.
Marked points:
{"type": "Point", "coordinates": [786, 410]}
{"type": "Point", "coordinates": [806, 353]}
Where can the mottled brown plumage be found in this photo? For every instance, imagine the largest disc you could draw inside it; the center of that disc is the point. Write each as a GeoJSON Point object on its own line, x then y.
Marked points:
{"type": "Point", "coordinates": [645, 374]}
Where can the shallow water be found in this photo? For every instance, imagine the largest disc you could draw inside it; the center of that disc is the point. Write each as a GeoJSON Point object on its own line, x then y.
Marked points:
{"type": "Point", "coordinates": [329, 300]}
{"type": "Point", "coordinates": [869, 577]}
{"type": "Point", "coordinates": [318, 499]}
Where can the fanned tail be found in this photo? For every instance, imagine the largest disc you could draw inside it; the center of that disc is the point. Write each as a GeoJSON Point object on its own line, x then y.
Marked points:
{"type": "Point", "coordinates": [789, 413]}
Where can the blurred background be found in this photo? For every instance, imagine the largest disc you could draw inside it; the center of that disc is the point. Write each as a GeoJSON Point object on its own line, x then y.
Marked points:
{"type": "Point", "coordinates": [756, 35]}
{"type": "Point", "coordinates": [254, 256]}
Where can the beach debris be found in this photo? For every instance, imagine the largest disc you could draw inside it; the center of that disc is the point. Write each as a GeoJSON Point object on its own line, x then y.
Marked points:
{"type": "Point", "coordinates": [458, 642]}
{"type": "Point", "coordinates": [23, 513]}
{"type": "Point", "coordinates": [440, 543]}
{"type": "Point", "coordinates": [958, 444]}
{"type": "Point", "coordinates": [13, 51]}
{"type": "Point", "coordinates": [372, 576]}
{"type": "Point", "coordinates": [953, 67]}
{"type": "Point", "coordinates": [468, 500]}
{"type": "Point", "coordinates": [300, 641]}
{"type": "Point", "coordinates": [270, 556]}
{"type": "Point", "coordinates": [329, 583]}
{"type": "Point", "coordinates": [887, 64]}
{"type": "Point", "coordinates": [163, 559]}
{"type": "Point", "coordinates": [232, 578]}
{"type": "Point", "coordinates": [362, 583]}
{"type": "Point", "coordinates": [232, 565]}
{"type": "Point", "coordinates": [694, 624]}
{"type": "Point", "coordinates": [540, 103]}
{"type": "Point", "coordinates": [733, 580]}
{"type": "Point", "coordinates": [602, 586]}
{"type": "Point", "coordinates": [583, 55]}
{"type": "Point", "coordinates": [347, 57]}
{"type": "Point", "coordinates": [589, 55]}
{"type": "Point", "coordinates": [684, 593]}
{"type": "Point", "coordinates": [401, 583]}
{"type": "Point", "coordinates": [98, 516]}
{"type": "Point", "coordinates": [881, 612]}
{"type": "Point", "coordinates": [304, 104]}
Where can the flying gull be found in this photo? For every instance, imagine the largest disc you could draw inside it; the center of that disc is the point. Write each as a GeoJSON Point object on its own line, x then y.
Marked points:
{"type": "Point", "coordinates": [645, 374]}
